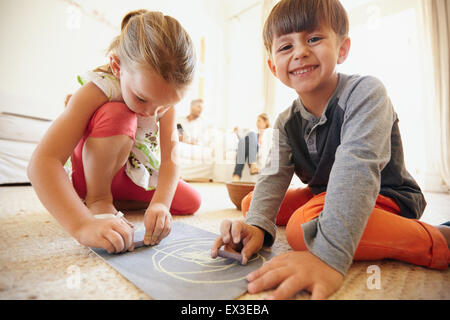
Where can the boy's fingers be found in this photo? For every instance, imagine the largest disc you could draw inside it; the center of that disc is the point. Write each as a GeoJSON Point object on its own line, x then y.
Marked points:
{"type": "Point", "coordinates": [249, 249]}
{"type": "Point", "coordinates": [268, 280]}
{"type": "Point", "coordinates": [216, 246]}
{"type": "Point", "coordinates": [319, 293]}
{"type": "Point", "coordinates": [261, 271]}
{"type": "Point", "coordinates": [225, 230]}
{"type": "Point", "coordinates": [289, 287]}
{"type": "Point", "coordinates": [236, 229]}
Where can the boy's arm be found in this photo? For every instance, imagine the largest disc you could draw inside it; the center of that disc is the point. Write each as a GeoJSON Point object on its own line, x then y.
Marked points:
{"type": "Point", "coordinates": [354, 181]}
{"type": "Point", "coordinates": [272, 183]}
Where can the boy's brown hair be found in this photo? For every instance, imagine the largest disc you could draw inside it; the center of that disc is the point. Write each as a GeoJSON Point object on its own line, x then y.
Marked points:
{"type": "Point", "coordinates": [289, 16]}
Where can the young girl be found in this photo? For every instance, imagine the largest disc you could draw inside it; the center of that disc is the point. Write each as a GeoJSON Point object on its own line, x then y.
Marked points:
{"type": "Point", "coordinates": [118, 151]}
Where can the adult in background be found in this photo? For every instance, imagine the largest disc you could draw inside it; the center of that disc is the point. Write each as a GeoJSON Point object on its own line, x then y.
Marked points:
{"type": "Point", "coordinates": [191, 127]}
{"type": "Point", "coordinates": [249, 146]}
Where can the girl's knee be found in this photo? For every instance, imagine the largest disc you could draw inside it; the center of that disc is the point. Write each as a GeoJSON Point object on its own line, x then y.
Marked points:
{"type": "Point", "coordinates": [113, 118]}
{"type": "Point", "coordinates": [186, 201]}
{"type": "Point", "coordinates": [195, 203]}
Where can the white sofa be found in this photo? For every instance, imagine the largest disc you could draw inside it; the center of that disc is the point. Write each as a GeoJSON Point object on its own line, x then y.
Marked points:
{"type": "Point", "coordinates": [19, 136]}
{"type": "Point", "coordinates": [214, 161]}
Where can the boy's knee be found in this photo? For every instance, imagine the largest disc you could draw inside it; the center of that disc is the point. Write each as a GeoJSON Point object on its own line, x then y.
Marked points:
{"type": "Point", "coordinates": [294, 233]}
{"type": "Point", "coordinates": [245, 203]}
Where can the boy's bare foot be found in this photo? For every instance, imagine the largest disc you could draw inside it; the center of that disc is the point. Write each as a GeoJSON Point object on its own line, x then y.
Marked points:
{"type": "Point", "coordinates": [236, 178]}
{"type": "Point", "coordinates": [445, 232]}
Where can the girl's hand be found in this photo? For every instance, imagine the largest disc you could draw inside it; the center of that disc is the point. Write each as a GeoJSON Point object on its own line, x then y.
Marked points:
{"type": "Point", "coordinates": [239, 236]}
{"type": "Point", "coordinates": [158, 223]}
{"type": "Point", "coordinates": [114, 235]}
{"type": "Point", "coordinates": [293, 272]}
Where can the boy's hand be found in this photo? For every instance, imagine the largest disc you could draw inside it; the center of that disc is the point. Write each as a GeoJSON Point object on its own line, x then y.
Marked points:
{"type": "Point", "coordinates": [293, 272]}
{"type": "Point", "coordinates": [238, 235]}
{"type": "Point", "coordinates": [158, 223]}
{"type": "Point", "coordinates": [114, 235]}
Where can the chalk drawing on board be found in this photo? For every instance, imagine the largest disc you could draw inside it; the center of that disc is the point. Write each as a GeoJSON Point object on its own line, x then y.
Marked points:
{"type": "Point", "coordinates": [196, 252]}
{"type": "Point", "coordinates": [181, 267]}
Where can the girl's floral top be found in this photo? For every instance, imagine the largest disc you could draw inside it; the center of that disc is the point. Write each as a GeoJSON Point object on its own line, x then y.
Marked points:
{"type": "Point", "coordinates": [145, 157]}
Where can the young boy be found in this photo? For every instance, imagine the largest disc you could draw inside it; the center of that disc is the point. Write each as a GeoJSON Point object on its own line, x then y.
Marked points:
{"type": "Point", "coordinates": [341, 137]}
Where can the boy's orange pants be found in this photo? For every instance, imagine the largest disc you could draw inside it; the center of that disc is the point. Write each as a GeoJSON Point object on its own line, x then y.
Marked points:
{"type": "Point", "coordinates": [387, 235]}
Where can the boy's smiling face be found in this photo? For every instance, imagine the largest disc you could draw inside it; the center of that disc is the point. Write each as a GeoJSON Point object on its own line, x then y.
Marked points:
{"type": "Point", "coordinates": [305, 61]}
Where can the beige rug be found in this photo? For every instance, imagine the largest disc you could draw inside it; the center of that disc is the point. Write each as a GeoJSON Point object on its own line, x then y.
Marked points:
{"type": "Point", "coordinates": [39, 260]}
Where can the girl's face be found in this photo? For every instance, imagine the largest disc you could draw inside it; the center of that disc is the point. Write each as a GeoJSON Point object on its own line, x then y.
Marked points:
{"type": "Point", "coordinates": [144, 91]}
{"type": "Point", "coordinates": [306, 61]}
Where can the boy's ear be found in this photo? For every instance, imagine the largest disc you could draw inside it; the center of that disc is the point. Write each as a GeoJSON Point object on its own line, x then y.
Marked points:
{"type": "Point", "coordinates": [344, 50]}
{"type": "Point", "coordinates": [272, 67]}
{"type": "Point", "coordinates": [114, 63]}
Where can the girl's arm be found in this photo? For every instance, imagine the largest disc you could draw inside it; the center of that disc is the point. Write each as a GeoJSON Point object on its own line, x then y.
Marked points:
{"type": "Point", "coordinates": [169, 172]}
{"type": "Point", "coordinates": [158, 220]}
{"type": "Point", "coordinates": [46, 168]}
{"type": "Point", "coordinates": [52, 185]}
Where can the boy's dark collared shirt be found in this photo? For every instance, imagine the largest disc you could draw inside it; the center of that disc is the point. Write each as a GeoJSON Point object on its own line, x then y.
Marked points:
{"type": "Point", "coordinates": [353, 152]}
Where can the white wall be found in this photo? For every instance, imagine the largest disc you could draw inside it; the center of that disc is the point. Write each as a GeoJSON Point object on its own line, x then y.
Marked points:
{"type": "Point", "coordinates": [40, 56]}
{"type": "Point", "coordinates": [47, 43]}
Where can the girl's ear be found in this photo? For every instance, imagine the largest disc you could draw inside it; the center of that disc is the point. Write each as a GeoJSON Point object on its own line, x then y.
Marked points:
{"type": "Point", "coordinates": [344, 50]}
{"type": "Point", "coordinates": [114, 63]}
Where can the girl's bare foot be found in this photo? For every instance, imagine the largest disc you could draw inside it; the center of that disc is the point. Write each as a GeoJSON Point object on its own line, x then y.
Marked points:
{"type": "Point", "coordinates": [99, 206]}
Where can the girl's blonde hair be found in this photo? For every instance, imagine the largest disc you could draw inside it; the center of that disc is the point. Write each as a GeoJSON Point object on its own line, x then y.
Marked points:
{"type": "Point", "coordinates": [152, 39]}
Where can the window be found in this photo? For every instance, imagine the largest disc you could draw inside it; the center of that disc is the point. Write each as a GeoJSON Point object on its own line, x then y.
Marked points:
{"type": "Point", "coordinates": [385, 44]}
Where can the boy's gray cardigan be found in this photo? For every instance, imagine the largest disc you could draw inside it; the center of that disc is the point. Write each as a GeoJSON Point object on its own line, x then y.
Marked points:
{"type": "Point", "coordinates": [353, 152]}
